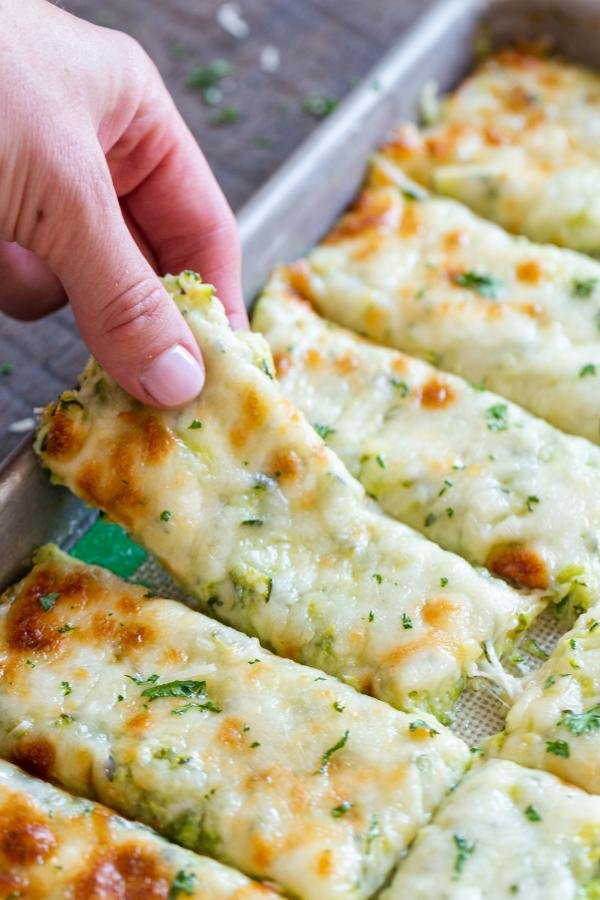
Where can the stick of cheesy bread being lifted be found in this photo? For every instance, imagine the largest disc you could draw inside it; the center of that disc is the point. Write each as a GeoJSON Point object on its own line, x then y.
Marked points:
{"type": "Point", "coordinates": [245, 505]}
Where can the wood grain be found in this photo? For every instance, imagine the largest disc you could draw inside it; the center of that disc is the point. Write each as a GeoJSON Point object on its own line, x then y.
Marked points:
{"type": "Point", "coordinates": [325, 46]}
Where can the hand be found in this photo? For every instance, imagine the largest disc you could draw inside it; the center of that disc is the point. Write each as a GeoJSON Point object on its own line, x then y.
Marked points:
{"type": "Point", "coordinates": [101, 186]}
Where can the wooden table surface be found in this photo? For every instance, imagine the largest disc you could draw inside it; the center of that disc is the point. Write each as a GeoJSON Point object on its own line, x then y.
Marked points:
{"type": "Point", "coordinates": [324, 47]}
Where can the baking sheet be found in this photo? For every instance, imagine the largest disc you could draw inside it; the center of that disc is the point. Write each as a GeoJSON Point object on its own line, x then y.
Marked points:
{"type": "Point", "coordinates": [291, 212]}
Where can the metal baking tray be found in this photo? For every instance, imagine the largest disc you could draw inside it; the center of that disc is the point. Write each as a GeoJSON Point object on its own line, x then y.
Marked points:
{"type": "Point", "coordinates": [298, 204]}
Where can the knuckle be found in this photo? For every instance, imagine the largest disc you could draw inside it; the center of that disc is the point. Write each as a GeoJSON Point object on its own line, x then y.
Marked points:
{"type": "Point", "coordinates": [130, 313]}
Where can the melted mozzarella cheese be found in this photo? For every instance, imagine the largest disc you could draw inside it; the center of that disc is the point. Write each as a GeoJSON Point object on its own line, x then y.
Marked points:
{"type": "Point", "coordinates": [506, 831]}
{"type": "Point", "coordinates": [425, 275]}
{"type": "Point", "coordinates": [180, 722]}
{"type": "Point", "coordinates": [266, 529]}
{"type": "Point", "coordinates": [53, 845]}
{"type": "Point", "coordinates": [473, 472]}
{"type": "Point", "coordinates": [555, 723]}
{"type": "Point", "coordinates": [519, 143]}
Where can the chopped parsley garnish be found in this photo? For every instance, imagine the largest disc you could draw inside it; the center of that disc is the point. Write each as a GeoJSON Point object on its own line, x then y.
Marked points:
{"type": "Point", "coordinates": [252, 522]}
{"type": "Point", "coordinates": [531, 646]}
{"type": "Point", "coordinates": [447, 484]}
{"type": "Point", "coordinates": [430, 518]}
{"type": "Point", "coordinates": [66, 688]}
{"type": "Point", "coordinates": [6, 368]}
{"type": "Point", "coordinates": [318, 106]}
{"type": "Point", "coordinates": [372, 834]}
{"type": "Point", "coordinates": [532, 814]}
{"type": "Point", "coordinates": [443, 581]}
{"type": "Point", "coordinates": [196, 424]}
{"type": "Point", "coordinates": [421, 725]}
{"type": "Point", "coordinates": [64, 628]}
{"type": "Point", "coordinates": [151, 679]}
{"type": "Point", "coordinates": [183, 883]}
{"type": "Point", "coordinates": [323, 430]}
{"type": "Point", "coordinates": [254, 745]}
{"type": "Point", "coordinates": [339, 745]}
{"type": "Point", "coordinates": [378, 578]}
{"type": "Point", "coordinates": [208, 705]}
{"type": "Point", "coordinates": [341, 810]}
{"type": "Point", "coordinates": [338, 706]}
{"type": "Point", "coordinates": [487, 285]}
{"type": "Point", "coordinates": [400, 386]}
{"type": "Point", "coordinates": [581, 723]}
{"type": "Point", "coordinates": [583, 287]}
{"type": "Point", "coordinates": [225, 116]}
{"type": "Point", "coordinates": [175, 689]}
{"type": "Point", "coordinates": [406, 621]}
{"type": "Point", "coordinates": [532, 502]}
{"type": "Point", "coordinates": [207, 80]}
{"type": "Point", "coordinates": [252, 662]}
{"type": "Point", "coordinates": [496, 417]}
{"type": "Point", "coordinates": [120, 698]}
{"type": "Point", "coordinates": [380, 461]}
{"type": "Point", "coordinates": [165, 515]}
{"type": "Point", "coordinates": [464, 849]}
{"type": "Point", "coordinates": [449, 512]}
{"type": "Point", "coordinates": [588, 369]}
{"type": "Point", "coordinates": [593, 625]}
{"type": "Point", "coordinates": [558, 748]}
{"type": "Point", "coordinates": [371, 615]}
{"type": "Point", "coordinates": [47, 601]}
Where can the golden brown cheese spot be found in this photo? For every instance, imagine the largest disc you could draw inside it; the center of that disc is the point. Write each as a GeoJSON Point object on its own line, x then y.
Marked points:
{"type": "Point", "coordinates": [347, 363]}
{"type": "Point", "coordinates": [494, 135]}
{"type": "Point", "coordinates": [420, 733]}
{"type": "Point", "coordinates": [129, 873]}
{"type": "Point", "coordinates": [438, 612]}
{"type": "Point", "coordinates": [519, 565]}
{"type": "Point", "coordinates": [405, 142]}
{"type": "Point", "coordinates": [253, 416]}
{"type": "Point", "coordinates": [455, 239]}
{"type": "Point", "coordinates": [324, 865]}
{"type": "Point", "coordinates": [262, 851]}
{"type": "Point", "coordinates": [231, 733]}
{"type": "Point", "coordinates": [443, 146]}
{"type": "Point", "coordinates": [298, 275]}
{"type": "Point", "coordinates": [283, 362]}
{"type": "Point", "coordinates": [65, 436]}
{"type": "Point", "coordinates": [313, 358]}
{"type": "Point", "coordinates": [529, 271]}
{"type": "Point", "coordinates": [437, 393]}
{"type": "Point", "coordinates": [519, 58]}
{"type": "Point", "coordinates": [140, 722]}
{"type": "Point", "coordinates": [25, 837]}
{"type": "Point", "coordinates": [31, 627]}
{"type": "Point", "coordinates": [370, 211]}
{"type": "Point", "coordinates": [36, 756]}
{"type": "Point", "coordinates": [149, 434]}
{"type": "Point", "coordinates": [286, 465]}
{"type": "Point", "coordinates": [411, 220]}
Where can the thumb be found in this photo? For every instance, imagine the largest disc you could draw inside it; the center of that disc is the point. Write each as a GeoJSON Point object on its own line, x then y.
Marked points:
{"type": "Point", "coordinates": [124, 314]}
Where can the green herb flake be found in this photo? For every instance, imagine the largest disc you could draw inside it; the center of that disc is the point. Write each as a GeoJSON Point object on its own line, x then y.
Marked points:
{"type": "Point", "coordinates": [47, 601]}
{"type": "Point", "coordinates": [371, 615]}
{"type": "Point", "coordinates": [339, 745]}
{"type": "Point", "coordinates": [496, 417]}
{"type": "Point", "coordinates": [66, 688]}
{"type": "Point", "coordinates": [464, 850]}
{"type": "Point", "coordinates": [430, 519]}
{"type": "Point", "coordinates": [532, 814]}
{"type": "Point", "coordinates": [120, 698]}
{"type": "Point", "coordinates": [338, 811]}
{"type": "Point", "coordinates": [421, 725]}
{"type": "Point", "coordinates": [165, 515]}
{"type": "Point", "coordinates": [588, 369]}
{"type": "Point", "coordinates": [443, 581]}
{"type": "Point", "coordinates": [323, 430]}
{"type": "Point", "coordinates": [378, 578]}
{"type": "Point", "coordinates": [183, 883]}
{"type": "Point", "coordinates": [338, 706]}
{"type": "Point", "coordinates": [186, 688]}
{"type": "Point", "coordinates": [406, 621]}
{"type": "Point", "coordinates": [373, 832]}
{"type": "Point", "coordinates": [207, 706]}
{"type": "Point", "coordinates": [64, 628]}
{"type": "Point", "coordinates": [252, 662]}
{"type": "Point", "coordinates": [225, 116]}
{"type": "Point", "coordinates": [593, 625]}
{"type": "Point", "coordinates": [583, 288]}
{"type": "Point", "coordinates": [532, 502]}
{"type": "Point", "coordinates": [254, 745]}
{"type": "Point", "coordinates": [531, 646]}
{"type": "Point", "coordinates": [558, 748]}
{"type": "Point", "coordinates": [400, 386]}
{"type": "Point", "coordinates": [449, 512]}
{"type": "Point", "coordinates": [137, 679]}
{"type": "Point", "coordinates": [253, 523]}
{"type": "Point", "coordinates": [380, 461]}
{"type": "Point", "coordinates": [318, 106]}
{"type": "Point", "coordinates": [581, 723]}
{"type": "Point", "coordinates": [481, 282]}
{"type": "Point", "coordinates": [196, 424]}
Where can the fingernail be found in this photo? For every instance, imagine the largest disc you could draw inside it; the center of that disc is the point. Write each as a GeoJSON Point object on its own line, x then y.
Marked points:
{"type": "Point", "coordinates": [174, 377]}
